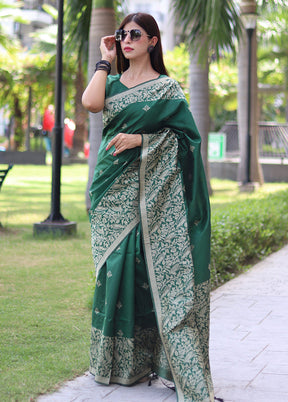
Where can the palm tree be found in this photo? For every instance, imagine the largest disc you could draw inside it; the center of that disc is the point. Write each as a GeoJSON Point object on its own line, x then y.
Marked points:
{"type": "Point", "coordinates": [209, 27]}
{"type": "Point", "coordinates": [256, 174]}
{"type": "Point", "coordinates": [86, 24]}
{"type": "Point", "coordinates": [276, 12]}
{"type": "Point", "coordinates": [77, 21]}
{"type": "Point", "coordinates": [8, 12]}
{"type": "Point", "coordinates": [103, 22]}
{"type": "Point", "coordinates": [76, 40]}
{"type": "Point", "coordinates": [273, 37]}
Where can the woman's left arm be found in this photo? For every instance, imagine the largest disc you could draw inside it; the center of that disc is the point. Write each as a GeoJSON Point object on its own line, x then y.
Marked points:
{"type": "Point", "coordinates": [123, 141]}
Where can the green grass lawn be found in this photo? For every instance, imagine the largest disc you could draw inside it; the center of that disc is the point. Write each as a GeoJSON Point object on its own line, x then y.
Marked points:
{"type": "Point", "coordinates": [226, 192]}
{"type": "Point", "coordinates": [46, 284]}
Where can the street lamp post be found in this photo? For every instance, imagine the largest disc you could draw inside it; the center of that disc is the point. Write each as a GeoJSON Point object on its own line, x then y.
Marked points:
{"type": "Point", "coordinates": [249, 20]}
{"type": "Point", "coordinates": [55, 223]}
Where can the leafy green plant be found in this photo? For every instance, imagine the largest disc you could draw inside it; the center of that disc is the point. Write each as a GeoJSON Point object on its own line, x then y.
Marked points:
{"type": "Point", "coordinates": [247, 231]}
{"type": "Point", "coordinates": [222, 83]}
{"type": "Point", "coordinates": [272, 150]}
{"type": "Point", "coordinates": [177, 62]}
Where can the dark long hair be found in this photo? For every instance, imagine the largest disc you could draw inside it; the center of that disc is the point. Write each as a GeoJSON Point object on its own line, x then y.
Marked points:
{"type": "Point", "coordinates": [148, 23]}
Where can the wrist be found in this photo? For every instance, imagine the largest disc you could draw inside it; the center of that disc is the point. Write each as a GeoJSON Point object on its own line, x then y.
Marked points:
{"type": "Point", "coordinates": [103, 65]}
{"type": "Point", "coordinates": [139, 140]}
{"type": "Point", "coordinates": [107, 58]}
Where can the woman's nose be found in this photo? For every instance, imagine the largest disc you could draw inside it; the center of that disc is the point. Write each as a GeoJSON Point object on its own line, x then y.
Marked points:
{"type": "Point", "coordinates": [127, 38]}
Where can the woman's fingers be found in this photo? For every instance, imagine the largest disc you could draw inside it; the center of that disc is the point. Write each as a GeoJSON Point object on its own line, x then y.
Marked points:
{"type": "Point", "coordinates": [107, 46]}
{"type": "Point", "coordinates": [111, 143]}
{"type": "Point", "coordinates": [116, 141]}
{"type": "Point", "coordinates": [124, 141]}
{"type": "Point", "coordinates": [110, 41]}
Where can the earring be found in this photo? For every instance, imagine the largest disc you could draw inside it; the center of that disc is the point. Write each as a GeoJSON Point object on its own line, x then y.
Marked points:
{"type": "Point", "coordinates": [150, 49]}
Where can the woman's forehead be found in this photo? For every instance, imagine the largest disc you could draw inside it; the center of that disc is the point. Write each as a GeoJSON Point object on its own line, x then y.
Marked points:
{"type": "Point", "coordinates": [132, 25]}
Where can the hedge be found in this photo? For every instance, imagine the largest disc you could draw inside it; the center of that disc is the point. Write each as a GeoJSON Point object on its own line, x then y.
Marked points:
{"type": "Point", "coordinates": [246, 232]}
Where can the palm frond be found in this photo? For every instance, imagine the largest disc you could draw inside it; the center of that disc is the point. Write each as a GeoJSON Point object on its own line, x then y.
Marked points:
{"type": "Point", "coordinates": [209, 24]}
{"type": "Point", "coordinates": [52, 11]}
{"type": "Point", "coordinates": [76, 24]}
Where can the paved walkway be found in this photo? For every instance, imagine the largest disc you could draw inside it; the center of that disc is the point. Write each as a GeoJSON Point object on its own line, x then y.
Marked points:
{"type": "Point", "coordinates": [249, 344]}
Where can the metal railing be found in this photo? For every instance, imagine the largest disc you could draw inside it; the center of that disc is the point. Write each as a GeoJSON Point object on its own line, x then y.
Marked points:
{"type": "Point", "coordinates": [273, 139]}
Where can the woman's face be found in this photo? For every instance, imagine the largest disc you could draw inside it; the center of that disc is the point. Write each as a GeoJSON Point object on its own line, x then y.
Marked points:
{"type": "Point", "coordinates": [133, 49]}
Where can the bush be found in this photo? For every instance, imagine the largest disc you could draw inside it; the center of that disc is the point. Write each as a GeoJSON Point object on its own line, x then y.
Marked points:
{"type": "Point", "coordinates": [246, 231]}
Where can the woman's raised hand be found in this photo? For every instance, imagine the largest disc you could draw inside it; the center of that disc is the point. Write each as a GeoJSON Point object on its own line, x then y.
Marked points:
{"type": "Point", "coordinates": [124, 141]}
{"type": "Point", "coordinates": [108, 48]}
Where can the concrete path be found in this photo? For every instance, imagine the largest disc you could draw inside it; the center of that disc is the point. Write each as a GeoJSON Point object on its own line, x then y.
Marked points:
{"type": "Point", "coordinates": [248, 349]}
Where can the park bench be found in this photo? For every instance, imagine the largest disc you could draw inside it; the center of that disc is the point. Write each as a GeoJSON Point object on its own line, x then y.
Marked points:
{"type": "Point", "coordinates": [3, 174]}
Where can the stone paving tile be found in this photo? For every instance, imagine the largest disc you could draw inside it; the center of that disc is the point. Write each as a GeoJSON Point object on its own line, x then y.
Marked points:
{"type": "Point", "coordinates": [269, 382]}
{"type": "Point", "coordinates": [234, 394]}
{"type": "Point", "coordinates": [275, 367]}
{"type": "Point", "coordinates": [84, 389]}
{"type": "Point", "coordinates": [258, 301]}
{"type": "Point", "coordinates": [248, 347]}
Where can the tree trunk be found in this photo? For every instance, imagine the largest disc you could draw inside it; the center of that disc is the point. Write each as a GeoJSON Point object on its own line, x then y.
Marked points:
{"type": "Point", "coordinates": [199, 106]}
{"type": "Point", "coordinates": [102, 23]}
{"type": "Point", "coordinates": [81, 114]}
{"type": "Point", "coordinates": [286, 89]}
{"type": "Point", "coordinates": [18, 128]}
{"type": "Point", "coordinates": [256, 175]}
{"type": "Point", "coordinates": [29, 105]}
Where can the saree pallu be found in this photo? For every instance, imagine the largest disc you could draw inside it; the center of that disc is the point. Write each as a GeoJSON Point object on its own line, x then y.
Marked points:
{"type": "Point", "coordinates": [150, 226]}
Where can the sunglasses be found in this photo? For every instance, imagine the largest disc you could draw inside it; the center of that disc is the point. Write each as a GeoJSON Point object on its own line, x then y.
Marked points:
{"type": "Point", "coordinates": [135, 34]}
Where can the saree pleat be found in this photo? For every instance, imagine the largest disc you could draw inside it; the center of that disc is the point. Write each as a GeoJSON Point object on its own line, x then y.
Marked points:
{"type": "Point", "coordinates": [150, 228]}
{"type": "Point", "coordinates": [124, 331]}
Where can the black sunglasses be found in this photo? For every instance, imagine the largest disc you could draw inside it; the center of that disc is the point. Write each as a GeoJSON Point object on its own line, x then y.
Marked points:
{"type": "Point", "coordinates": [135, 34]}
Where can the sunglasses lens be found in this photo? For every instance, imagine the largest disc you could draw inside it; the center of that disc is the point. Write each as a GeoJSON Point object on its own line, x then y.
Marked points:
{"type": "Point", "coordinates": [135, 34]}
{"type": "Point", "coordinates": [119, 35]}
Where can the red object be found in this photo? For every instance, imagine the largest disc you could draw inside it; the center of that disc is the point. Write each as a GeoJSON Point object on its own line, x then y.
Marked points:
{"type": "Point", "coordinates": [86, 149]}
{"type": "Point", "coordinates": [49, 119]}
{"type": "Point", "coordinates": [69, 128]}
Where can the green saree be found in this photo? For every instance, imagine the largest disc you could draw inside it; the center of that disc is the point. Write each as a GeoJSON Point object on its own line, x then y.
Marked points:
{"type": "Point", "coordinates": [150, 226]}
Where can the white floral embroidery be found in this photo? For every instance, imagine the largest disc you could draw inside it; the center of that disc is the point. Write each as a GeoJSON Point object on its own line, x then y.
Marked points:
{"type": "Point", "coordinates": [115, 215]}
{"type": "Point", "coordinates": [182, 307]}
{"type": "Point", "coordinates": [163, 88]}
{"type": "Point", "coordinates": [127, 359]}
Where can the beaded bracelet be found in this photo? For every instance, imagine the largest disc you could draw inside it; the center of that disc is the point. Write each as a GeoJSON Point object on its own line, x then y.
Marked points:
{"type": "Point", "coordinates": [103, 65]}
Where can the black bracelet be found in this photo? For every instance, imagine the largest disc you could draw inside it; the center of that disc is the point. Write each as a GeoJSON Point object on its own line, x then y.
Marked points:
{"type": "Point", "coordinates": [103, 65]}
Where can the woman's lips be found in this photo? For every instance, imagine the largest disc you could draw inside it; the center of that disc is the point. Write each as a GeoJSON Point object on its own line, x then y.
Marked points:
{"type": "Point", "coordinates": [128, 49]}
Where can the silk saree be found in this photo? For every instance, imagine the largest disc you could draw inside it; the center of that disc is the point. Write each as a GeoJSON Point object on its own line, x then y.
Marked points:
{"type": "Point", "coordinates": [150, 231]}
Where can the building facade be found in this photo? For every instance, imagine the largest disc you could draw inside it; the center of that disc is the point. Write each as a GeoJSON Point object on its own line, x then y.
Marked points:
{"type": "Point", "coordinates": [32, 12]}
{"type": "Point", "coordinates": [161, 11]}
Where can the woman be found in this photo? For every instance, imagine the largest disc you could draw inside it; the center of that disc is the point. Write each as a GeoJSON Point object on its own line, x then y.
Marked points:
{"type": "Point", "coordinates": [150, 221]}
